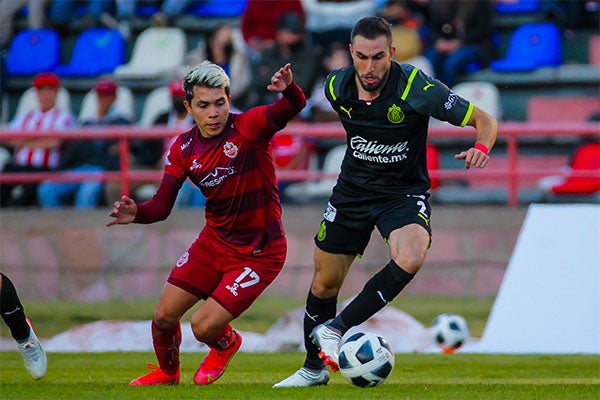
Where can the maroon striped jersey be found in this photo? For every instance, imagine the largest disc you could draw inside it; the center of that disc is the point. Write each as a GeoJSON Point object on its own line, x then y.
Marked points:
{"type": "Point", "coordinates": [235, 172]}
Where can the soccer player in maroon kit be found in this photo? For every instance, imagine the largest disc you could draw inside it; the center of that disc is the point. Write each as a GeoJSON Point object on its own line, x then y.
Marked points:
{"type": "Point", "coordinates": [242, 247]}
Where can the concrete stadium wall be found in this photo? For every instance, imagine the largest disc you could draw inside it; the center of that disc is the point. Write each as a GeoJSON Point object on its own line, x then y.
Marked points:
{"type": "Point", "coordinates": [71, 255]}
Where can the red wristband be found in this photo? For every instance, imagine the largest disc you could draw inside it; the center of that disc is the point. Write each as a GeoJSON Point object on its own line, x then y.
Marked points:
{"type": "Point", "coordinates": [481, 147]}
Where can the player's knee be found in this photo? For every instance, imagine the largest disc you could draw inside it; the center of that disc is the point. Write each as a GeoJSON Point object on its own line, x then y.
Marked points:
{"type": "Point", "coordinates": [163, 319]}
{"type": "Point", "coordinates": [202, 330]}
{"type": "Point", "coordinates": [325, 289]}
{"type": "Point", "coordinates": [410, 262]}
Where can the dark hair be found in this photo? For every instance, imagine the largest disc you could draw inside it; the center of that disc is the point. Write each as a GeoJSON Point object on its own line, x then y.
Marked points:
{"type": "Point", "coordinates": [371, 28]}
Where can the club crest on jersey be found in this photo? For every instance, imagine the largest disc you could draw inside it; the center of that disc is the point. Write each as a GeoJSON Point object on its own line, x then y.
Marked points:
{"type": "Point", "coordinates": [395, 114]}
{"type": "Point", "coordinates": [230, 150]}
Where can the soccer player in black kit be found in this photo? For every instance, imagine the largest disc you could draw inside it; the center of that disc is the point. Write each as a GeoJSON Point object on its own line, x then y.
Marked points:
{"type": "Point", "coordinates": [385, 109]}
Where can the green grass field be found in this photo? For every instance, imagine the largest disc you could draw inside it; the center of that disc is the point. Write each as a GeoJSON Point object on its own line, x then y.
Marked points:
{"type": "Point", "coordinates": [251, 375]}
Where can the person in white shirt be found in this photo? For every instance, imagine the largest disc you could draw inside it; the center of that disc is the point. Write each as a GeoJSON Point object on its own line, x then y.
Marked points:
{"type": "Point", "coordinates": [36, 155]}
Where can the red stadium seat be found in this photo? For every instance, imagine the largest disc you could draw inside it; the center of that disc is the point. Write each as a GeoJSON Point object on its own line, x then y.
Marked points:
{"type": "Point", "coordinates": [586, 157]}
{"type": "Point", "coordinates": [433, 163]}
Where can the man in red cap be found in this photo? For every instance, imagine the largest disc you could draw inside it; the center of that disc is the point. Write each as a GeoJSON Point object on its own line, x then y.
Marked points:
{"type": "Point", "coordinates": [36, 155]}
{"type": "Point", "coordinates": [89, 156]}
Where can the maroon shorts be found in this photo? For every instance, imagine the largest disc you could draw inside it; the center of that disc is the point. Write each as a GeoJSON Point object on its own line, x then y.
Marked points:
{"type": "Point", "coordinates": [212, 269]}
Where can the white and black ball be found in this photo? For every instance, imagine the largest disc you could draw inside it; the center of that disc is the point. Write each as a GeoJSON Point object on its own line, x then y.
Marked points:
{"type": "Point", "coordinates": [366, 359]}
{"type": "Point", "coordinates": [449, 332]}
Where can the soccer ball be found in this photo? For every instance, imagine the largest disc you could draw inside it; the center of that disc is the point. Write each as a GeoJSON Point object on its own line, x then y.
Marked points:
{"type": "Point", "coordinates": [366, 359]}
{"type": "Point", "coordinates": [449, 332]}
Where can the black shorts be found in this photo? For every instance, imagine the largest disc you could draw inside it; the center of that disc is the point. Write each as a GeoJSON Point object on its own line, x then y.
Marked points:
{"type": "Point", "coordinates": [347, 223]}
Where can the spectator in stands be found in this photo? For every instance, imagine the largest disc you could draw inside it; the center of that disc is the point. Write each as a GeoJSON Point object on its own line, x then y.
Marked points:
{"type": "Point", "coordinates": [259, 20]}
{"type": "Point", "coordinates": [318, 108]}
{"type": "Point", "coordinates": [168, 11]}
{"type": "Point", "coordinates": [9, 9]}
{"type": "Point", "coordinates": [406, 29]}
{"type": "Point", "coordinates": [291, 46]}
{"type": "Point", "coordinates": [178, 118]}
{"type": "Point", "coordinates": [409, 34]}
{"type": "Point", "coordinates": [571, 15]}
{"type": "Point", "coordinates": [62, 14]}
{"type": "Point", "coordinates": [461, 37]}
{"type": "Point", "coordinates": [89, 156]}
{"type": "Point", "coordinates": [127, 10]}
{"type": "Point", "coordinates": [225, 47]}
{"type": "Point", "coordinates": [331, 21]}
{"type": "Point", "coordinates": [36, 155]}
{"type": "Point", "coordinates": [144, 154]}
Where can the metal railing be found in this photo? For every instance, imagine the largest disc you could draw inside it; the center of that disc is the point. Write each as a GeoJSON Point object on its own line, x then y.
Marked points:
{"type": "Point", "coordinates": [509, 133]}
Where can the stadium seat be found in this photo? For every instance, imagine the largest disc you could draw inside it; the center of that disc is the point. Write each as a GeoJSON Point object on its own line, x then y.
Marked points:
{"type": "Point", "coordinates": [560, 109]}
{"type": "Point", "coordinates": [586, 157]}
{"type": "Point", "coordinates": [28, 101]}
{"type": "Point", "coordinates": [484, 95]}
{"type": "Point", "coordinates": [516, 6]}
{"type": "Point", "coordinates": [96, 52]}
{"type": "Point", "coordinates": [303, 191]}
{"type": "Point", "coordinates": [220, 8]}
{"type": "Point", "coordinates": [157, 102]}
{"type": "Point", "coordinates": [433, 163]}
{"type": "Point", "coordinates": [124, 104]}
{"type": "Point", "coordinates": [33, 51]}
{"type": "Point", "coordinates": [158, 52]}
{"type": "Point", "coordinates": [531, 46]}
{"type": "Point", "coordinates": [423, 64]}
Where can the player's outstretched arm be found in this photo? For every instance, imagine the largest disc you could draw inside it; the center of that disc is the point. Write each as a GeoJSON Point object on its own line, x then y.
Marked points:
{"type": "Point", "coordinates": [281, 79]}
{"type": "Point", "coordinates": [487, 131]}
{"type": "Point", "coordinates": [123, 212]}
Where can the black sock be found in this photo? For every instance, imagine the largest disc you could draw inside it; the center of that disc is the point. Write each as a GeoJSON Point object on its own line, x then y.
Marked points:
{"type": "Point", "coordinates": [12, 311]}
{"type": "Point", "coordinates": [382, 288]}
{"type": "Point", "coordinates": [317, 312]}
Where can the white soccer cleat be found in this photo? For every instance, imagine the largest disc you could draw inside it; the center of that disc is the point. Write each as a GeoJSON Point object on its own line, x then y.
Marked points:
{"type": "Point", "coordinates": [328, 341]}
{"type": "Point", "coordinates": [34, 355]}
{"type": "Point", "coordinates": [305, 377]}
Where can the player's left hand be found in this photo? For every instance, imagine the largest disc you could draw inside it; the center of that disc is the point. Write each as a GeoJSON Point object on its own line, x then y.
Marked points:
{"type": "Point", "coordinates": [474, 157]}
{"type": "Point", "coordinates": [281, 79]}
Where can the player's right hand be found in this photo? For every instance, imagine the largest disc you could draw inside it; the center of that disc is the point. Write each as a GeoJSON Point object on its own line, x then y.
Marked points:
{"type": "Point", "coordinates": [123, 211]}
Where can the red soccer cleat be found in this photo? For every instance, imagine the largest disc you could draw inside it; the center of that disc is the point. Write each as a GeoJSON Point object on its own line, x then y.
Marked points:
{"type": "Point", "coordinates": [215, 362]}
{"type": "Point", "coordinates": [155, 376]}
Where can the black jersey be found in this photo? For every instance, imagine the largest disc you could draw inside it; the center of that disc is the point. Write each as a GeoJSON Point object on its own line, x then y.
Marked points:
{"type": "Point", "coordinates": [386, 138]}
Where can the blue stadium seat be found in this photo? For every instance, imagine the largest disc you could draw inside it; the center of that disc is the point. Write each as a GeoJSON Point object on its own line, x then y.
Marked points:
{"type": "Point", "coordinates": [33, 51]}
{"type": "Point", "coordinates": [96, 52]}
{"type": "Point", "coordinates": [220, 8]}
{"type": "Point", "coordinates": [517, 6]}
{"type": "Point", "coordinates": [531, 46]}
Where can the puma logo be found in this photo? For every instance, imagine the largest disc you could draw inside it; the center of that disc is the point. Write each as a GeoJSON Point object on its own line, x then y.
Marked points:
{"type": "Point", "coordinates": [346, 111]}
{"type": "Point", "coordinates": [427, 86]}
